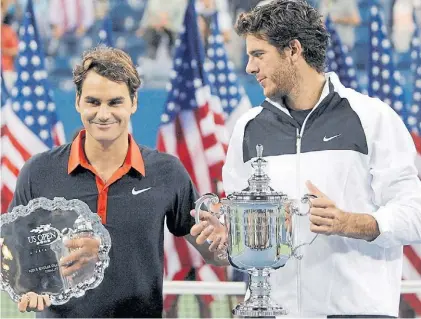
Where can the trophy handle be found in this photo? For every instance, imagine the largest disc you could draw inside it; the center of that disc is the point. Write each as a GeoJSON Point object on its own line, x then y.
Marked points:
{"type": "Point", "coordinates": [213, 199]}
{"type": "Point", "coordinates": [306, 199]}
{"type": "Point", "coordinates": [209, 197]}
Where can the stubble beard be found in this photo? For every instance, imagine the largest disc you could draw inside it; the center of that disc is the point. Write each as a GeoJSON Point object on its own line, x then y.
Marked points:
{"type": "Point", "coordinates": [284, 81]}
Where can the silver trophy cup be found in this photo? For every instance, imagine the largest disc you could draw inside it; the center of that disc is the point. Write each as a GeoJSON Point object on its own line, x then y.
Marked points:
{"type": "Point", "coordinates": [261, 238]}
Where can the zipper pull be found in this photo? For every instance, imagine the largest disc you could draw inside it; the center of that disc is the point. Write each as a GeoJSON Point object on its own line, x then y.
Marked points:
{"type": "Point", "coordinates": [298, 144]}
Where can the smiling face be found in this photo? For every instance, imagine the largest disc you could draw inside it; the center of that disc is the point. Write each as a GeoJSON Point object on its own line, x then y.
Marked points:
{"type": "Point", "coordinates": [105, 108]}
{"type": "Point", "coordinates": [275, 72]}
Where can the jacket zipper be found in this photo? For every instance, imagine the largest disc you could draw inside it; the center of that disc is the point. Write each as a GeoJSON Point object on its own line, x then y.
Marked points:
{"type": "Point", "coordinates": [298, 220]}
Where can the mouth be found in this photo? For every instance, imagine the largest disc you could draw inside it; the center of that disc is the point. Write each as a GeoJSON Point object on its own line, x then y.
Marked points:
{"type": "Point", "coordinates": [261, 81]}
{"type": "Point", "coordinates": [103, 126]}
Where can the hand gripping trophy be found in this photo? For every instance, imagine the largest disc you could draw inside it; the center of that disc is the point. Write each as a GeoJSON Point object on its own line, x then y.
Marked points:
{"type": "Point", "coordinates": [261, 237]}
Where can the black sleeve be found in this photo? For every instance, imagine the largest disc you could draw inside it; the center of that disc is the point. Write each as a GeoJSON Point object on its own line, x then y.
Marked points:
{"type": "Point", "coordinates": [23, 190]}
{"type": "Point", "coordinates": [179, 220]}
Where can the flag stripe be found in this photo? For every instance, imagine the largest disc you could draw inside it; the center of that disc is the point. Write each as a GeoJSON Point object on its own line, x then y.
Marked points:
{"type": "Point", "coordinates": [182, 150]}
{"type": "Point", "coordinates": [414, 261]}
{"type": "Point", "coordinates": [22, 135]}
{"type": "Point", "coordinates": [195, 150]}
{"type": "Point", "coordinates": [9, 138]}
{"type": "Point", "coordinates": [12, 150]}
{"type": "Point", "coordinates": [6, 198]}
{"type": "Point", "coordinates": [9, 165]}
{"type": "Point", "coordinates": [8, 179]}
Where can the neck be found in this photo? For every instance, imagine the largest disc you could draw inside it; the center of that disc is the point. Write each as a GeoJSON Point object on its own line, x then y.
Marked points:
{"type": "Point", "coordinates": [307, 91]}
{"type": "Point", "coordinates": [106, 156]}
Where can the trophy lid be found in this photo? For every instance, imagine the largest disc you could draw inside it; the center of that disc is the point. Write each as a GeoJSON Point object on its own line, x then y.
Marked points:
{"type": "Point", "coordinates": [259, 188]}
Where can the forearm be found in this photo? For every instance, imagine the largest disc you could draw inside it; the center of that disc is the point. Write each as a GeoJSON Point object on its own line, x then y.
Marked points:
{"type": "Point", "coordinates": [360, 226]}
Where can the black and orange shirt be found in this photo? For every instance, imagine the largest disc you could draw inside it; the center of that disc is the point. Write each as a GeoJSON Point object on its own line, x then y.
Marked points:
{"type": "Point", "coordinates": [149, 187]}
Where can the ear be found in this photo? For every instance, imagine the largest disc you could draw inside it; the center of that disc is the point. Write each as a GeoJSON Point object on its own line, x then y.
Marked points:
{"type": "Point", "coordinates": [296, 49]}
{"type": "Point", "coordinates": [134, 104]}
{"type": "Point", "coordinates": [77, 99]}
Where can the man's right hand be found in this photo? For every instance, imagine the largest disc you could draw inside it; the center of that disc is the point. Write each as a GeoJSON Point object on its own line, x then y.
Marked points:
{"type": "Point", "coordinates": [84, 251]}
{"type": "Point", "coordinates": [33, 302]}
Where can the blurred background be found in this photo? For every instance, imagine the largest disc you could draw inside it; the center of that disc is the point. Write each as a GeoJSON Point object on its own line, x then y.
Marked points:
{"type": "Point", "coordinates": [375, 48]}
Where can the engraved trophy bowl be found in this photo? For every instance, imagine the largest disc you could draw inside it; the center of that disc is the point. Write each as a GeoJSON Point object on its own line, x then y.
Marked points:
{"type": "Point", "coordinates": [261, 238]}
{"type": "Point", "coordinates": [32, 243]}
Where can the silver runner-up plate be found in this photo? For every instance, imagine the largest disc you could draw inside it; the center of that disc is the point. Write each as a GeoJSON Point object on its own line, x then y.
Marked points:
{"type": "Point", "coordinates": [32, 243]}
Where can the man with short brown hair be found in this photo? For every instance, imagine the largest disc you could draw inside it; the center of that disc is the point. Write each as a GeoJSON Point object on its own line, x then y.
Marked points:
{"type": "Point", "coordinates": [131, 187]}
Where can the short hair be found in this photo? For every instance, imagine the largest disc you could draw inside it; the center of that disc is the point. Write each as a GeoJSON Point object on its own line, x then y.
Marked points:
{"type": "Point", "coordinates": [281, 21]}
{"type": "Point", "coordinates": [112, 63]}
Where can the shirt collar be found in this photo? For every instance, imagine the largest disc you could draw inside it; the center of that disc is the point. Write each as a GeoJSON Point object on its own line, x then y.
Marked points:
{"type": "Point", "coordinates": [77, 156]}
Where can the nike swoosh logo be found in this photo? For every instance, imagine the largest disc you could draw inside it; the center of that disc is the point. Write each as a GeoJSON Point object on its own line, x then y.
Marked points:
{"type": "Point", "coordinates": [135, 192]}
{"type": "Point", "coordinates": [327, 139]}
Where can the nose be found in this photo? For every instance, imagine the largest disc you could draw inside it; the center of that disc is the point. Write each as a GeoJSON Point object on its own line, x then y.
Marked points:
{"type": "Point", "coordinates": [103, 113]}
{"type": "Point", "coordinates": [251, 67]}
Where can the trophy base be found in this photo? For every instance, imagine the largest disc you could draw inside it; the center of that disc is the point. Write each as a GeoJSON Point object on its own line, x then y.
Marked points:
{"type": "Point", "coordinates": [259, 308]}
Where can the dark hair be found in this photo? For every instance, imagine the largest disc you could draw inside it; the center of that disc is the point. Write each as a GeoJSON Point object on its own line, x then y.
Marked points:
{"type": "Point", "coordinates": [112, 63]}
{"type": "Point", "coordinates": [281, 21]}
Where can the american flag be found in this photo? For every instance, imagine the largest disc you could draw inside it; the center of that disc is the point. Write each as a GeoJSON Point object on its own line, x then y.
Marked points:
{"type": "Point", "coordinates": [5, 99]}
{"type": "Point", "coordinates": [192, 128]}
{"type": "Point", "coordinates": [385, 84]}
{"type": "Point", "coordinates": [339, 60]}
{"type": "Point", "coordinates": [30, 124]}
{"type": "Point", "coordinates": [225, 84]}
{"type": "Point", "coordinates": [4, 93]}
{"type": "Point", "coordinates": [384, 81]}
{"type": "Point", "coordinates": [192, 125]}
{"type": "Point", "coordinates": [220, 69]}
{"type": "Point", "coordinates": [414, 112]}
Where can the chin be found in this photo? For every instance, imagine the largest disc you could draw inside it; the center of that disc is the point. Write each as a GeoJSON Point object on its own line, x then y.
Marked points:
{"type": "Point", "coordinates": [271, 94]}
{"type": "Point", "coordinates": [104, 140]}
{"type": "Point", "coordinates": [274, 95]}
{"type": "Point", "coordinates": [104, 136]}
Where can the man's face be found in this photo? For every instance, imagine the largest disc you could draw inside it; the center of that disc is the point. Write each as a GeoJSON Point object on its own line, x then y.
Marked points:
{"type": "Point", "coordinates": [274, 71]}
{"type": "Point", "coordinates": [105, 107]}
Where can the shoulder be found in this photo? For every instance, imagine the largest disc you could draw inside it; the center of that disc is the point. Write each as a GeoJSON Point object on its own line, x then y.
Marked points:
{"type": "Point", "coordinates": [53, 157]}
{"type": "Point", "coordinates": [40, 170]}
{"type": "Point", "coordinates": [250, 114]}
{"type": "Point", "coordinates": [370, 110]}
{"type": "Point", "coordinates": [244, 120]}
{"type": "Point", "coordinates": [164, 164]}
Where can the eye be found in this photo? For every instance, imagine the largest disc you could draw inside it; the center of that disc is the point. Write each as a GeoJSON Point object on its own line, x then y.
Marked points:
{"type": "Point", "coordinates": [115, 103]}
{"type": "Point", "coordinates": [93, 102]}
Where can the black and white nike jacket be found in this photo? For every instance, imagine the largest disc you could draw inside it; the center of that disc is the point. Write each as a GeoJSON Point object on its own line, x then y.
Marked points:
{"type": "Point", "coordinates": [358, 152]}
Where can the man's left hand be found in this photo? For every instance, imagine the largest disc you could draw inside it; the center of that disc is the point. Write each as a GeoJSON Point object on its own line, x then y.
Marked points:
{"type": "Point", "coordinates": [325, 217]}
